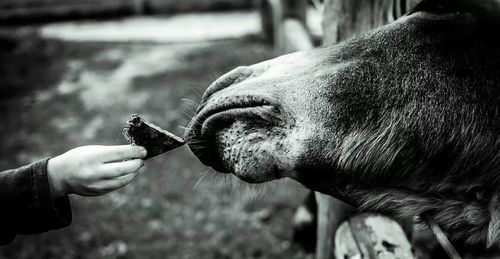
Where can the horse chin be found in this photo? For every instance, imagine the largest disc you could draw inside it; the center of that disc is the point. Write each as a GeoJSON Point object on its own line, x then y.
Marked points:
{"type": "Point", "coordinates": [250, 154]}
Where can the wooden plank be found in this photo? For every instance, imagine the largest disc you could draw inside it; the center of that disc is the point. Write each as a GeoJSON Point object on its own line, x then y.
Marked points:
{"type": "Point", "coordinates": [294, 9]}
{"type": "Point", "coordinates": [67, 11]}
{"type": "Point", "coordinates": [271, 14]}
{"type": "Point", "coordinates": [372, 236]}
{"type": "Point", "coordinates": [163, 6]}
{"type": "Point", "coordinates": [410, 4]}
{"type": "Point", "coordinates": [331, 213]}
{"type": "Point", "coordinates": [284, 25]}
{"type": "Point", "coordinates": [345, 18]}
{"type": "Point", "coordinates": [40, 11]}
{"type": "Point", "coordinates": [294, 36]}
{"type": "Point", "coordinates": [17, 4]}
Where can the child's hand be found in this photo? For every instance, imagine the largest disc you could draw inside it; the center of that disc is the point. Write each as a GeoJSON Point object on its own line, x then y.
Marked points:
{"type": "Point", "coordinates": [94, 170]}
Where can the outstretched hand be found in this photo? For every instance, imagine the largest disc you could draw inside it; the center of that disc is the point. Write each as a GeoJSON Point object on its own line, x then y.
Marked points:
{"type": "Point", "coordinates": [94, 170]}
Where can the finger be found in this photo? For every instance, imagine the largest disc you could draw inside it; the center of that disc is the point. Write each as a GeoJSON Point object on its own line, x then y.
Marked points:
{"type": "Point", "coordinates": [121, 181]}
{"type": "Point", "coordinates": [120, 153]}
{"type": "Point", "coordinates": [118, 169]}
{"type": "Point", "coordinates": [111, 184]}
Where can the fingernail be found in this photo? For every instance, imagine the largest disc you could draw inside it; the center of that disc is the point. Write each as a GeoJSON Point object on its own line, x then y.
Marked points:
{"type": "Point", "coordinates": [144, 152]}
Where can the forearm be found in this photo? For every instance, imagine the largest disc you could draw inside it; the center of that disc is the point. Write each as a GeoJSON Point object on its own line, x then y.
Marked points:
{"type": "Point", "coordinates": [26, 203]}
{"type": "Point", "coordinates": [34, 198]}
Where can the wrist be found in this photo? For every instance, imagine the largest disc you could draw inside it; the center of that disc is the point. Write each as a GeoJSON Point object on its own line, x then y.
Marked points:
{"type": "Point", "coordinates": [56, 182]}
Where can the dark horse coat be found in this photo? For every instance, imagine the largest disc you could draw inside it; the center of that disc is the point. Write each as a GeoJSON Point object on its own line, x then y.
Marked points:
{"type": "Point", "coordinates": [403, 120]}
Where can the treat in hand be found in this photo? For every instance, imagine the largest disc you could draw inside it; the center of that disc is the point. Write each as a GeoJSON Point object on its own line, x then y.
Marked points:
{"type": "Point", "coordinates": [156, 140]}
{"type": "Point", "coordinates": [94, 170]}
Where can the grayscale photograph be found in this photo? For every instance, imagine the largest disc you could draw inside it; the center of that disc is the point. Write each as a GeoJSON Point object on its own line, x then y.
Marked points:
{"type": "Point", "coordinates": [240, 129]}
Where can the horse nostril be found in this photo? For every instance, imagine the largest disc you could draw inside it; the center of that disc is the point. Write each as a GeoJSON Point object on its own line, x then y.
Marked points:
{"type": "Point", "coordinates": [235, 76]}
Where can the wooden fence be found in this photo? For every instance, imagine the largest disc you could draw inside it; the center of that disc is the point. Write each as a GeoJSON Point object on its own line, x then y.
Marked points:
{"type": "Point", "coordinates": [16, 12]}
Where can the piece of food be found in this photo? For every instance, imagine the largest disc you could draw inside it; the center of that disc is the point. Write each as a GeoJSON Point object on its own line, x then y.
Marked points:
{"type": "Point", "coordinates": [153, 138]}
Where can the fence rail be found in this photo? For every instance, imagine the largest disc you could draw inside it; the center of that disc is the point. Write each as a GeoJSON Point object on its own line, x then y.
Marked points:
{"type": "Point", "coordinates": [15, 12]}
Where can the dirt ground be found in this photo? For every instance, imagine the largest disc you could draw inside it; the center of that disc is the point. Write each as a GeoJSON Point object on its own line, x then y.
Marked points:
{"type": "Point", "coordinates": [57, 95]}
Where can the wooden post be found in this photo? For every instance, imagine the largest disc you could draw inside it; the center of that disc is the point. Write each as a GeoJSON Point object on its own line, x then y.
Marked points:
{"type": "Point", "coordinates": [284, 25]}
{"type": "Point", "coordinates": [294, 9]}
{"type": "Point", "coordinates": [293, 34]}
{"type": "Point", "coordinates": [270, 10]}
{"type": "Point", "coordinates": [331, 213]}
{"type": "Point", "coordinates": [138, 6]}
{"type": "Point", "coordinates": [345, 18]}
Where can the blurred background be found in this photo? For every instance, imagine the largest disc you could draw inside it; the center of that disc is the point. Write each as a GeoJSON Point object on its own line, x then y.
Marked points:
{"type": "Point", "coordinates": [73, 71]}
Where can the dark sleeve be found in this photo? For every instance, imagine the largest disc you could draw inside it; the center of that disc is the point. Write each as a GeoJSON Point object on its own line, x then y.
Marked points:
{"type": "Point", "coordinates": [26, 206]}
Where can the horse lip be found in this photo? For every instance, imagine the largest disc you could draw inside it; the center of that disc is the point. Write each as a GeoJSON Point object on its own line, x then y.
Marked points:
{"type": "Point", "coordinates": [208, 109]}
{"type": "Point", "coordinates": [194, 134]}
